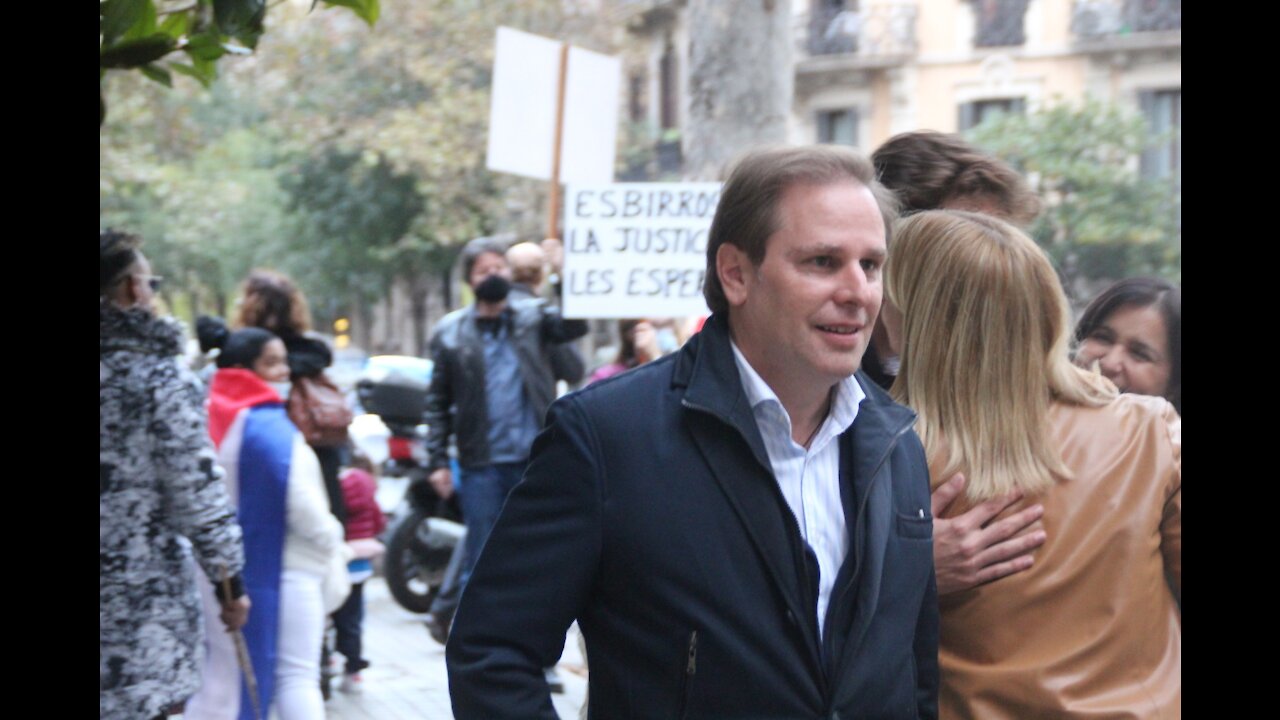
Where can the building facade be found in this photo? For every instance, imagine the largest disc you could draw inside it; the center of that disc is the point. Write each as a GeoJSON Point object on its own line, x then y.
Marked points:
{"type": "Point", "coordinates": [866, 70]}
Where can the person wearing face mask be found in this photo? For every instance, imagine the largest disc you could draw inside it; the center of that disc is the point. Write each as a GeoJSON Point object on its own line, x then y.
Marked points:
{"type": "Point", "coordinates": [491, 386]}
{"type": "Point", "coordinates": [295, 556]}
{"type": "Point", "coordinates": [1133, 332]}
{"type": "Point", "coordinates": [158, 484]}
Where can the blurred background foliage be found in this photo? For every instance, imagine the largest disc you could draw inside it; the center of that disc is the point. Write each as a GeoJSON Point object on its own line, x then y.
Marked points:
{"type": "Point", "coordinates": [348, 149]}
{"type": "Point", "coordinates": [343, 152]}
{"type": "Point", "coordinates": [1102, 219]}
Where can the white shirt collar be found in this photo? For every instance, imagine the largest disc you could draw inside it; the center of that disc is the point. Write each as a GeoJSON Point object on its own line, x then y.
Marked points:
{"type": "Point", "coordinates": [844, 407]}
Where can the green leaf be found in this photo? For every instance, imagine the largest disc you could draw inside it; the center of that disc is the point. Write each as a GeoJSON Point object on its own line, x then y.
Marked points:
{"type": "Point", "coordinates": [205, 46]}
{"type": "Point", "coordinates": [120, 15]}
{"type": "Point", "coordinates": [367, 10]}
{"type": "Point", "coordinates": [136, 53]}
{"type": "Point", "coordinates": [158, 74]}
{"type": "Point", "coordinates": [205, 71]}
{"type": "Point", "coordinates": [145, 25]}
{"type": "Point", "coordinates": [176, 25]}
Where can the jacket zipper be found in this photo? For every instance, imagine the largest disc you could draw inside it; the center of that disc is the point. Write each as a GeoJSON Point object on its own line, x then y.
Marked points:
{"type": "Point", "coordinates": [690, 669]}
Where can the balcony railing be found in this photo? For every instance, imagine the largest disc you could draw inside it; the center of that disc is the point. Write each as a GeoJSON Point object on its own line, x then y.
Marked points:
{"type": "Point", "coordinates": [1093, 19]}
{"type": "Point", "coordinates": [1000, 23]}
{"type": "Point", "coordinates": [882, 29]}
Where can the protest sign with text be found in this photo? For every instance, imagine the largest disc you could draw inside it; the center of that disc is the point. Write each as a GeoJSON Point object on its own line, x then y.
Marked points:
{"type": "Point", "coordinates": [636, 249]}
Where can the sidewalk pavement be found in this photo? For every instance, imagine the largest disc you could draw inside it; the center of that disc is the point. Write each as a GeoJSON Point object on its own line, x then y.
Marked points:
{"type": "Point", "coordinates": [407, 678]}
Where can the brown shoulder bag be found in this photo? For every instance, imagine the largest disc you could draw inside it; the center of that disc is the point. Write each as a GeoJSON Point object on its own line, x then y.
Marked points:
{"type": "Point", "coordinates": [319, 410]}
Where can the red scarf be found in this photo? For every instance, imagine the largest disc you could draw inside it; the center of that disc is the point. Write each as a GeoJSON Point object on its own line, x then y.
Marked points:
{"type": "Point", "coordinates": [232, 390]}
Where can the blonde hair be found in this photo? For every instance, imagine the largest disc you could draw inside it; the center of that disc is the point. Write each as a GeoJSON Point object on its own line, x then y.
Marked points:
{"type": "Point", "coordinates": [986, 328]}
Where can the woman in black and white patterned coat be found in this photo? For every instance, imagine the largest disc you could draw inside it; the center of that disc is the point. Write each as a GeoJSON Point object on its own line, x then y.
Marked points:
{"type": "Point", "coordinates": [158, 485]}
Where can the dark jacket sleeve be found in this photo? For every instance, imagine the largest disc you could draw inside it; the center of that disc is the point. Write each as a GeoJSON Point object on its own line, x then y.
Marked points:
{"type": "Point", "coordinates": [308, 357]}
{"type": "Point", "coordinates": [532, 580]}
{"type": "Point", "coordinates": [556, 329]}
{"type": "Point", "coordinates": [567, 364]}
{"type": "Point", "coordinates": [438, 403]}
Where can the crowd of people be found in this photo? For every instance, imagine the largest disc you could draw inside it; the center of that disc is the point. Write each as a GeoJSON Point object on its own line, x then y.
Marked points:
{"type": "Point", "coordinates": [886, 476]}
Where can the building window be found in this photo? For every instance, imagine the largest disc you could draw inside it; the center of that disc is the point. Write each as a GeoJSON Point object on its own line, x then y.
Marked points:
{"type": "Point", "coordinates": [1163, 111]}
{"type": "Point", "coordinates": [999, 22]}
{"type": "Point", "coordinates": [975, 113]}
{"type": "Point", "coordinates": [834, 26]}
{"type": "Point", "coordinates": [1149, 15]}
{"type": "Point", "coordinates": [838, 127]}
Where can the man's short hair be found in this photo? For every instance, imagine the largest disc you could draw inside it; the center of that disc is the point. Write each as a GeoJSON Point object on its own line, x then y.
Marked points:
{"type": "Point", "coordinates": [477, 247]}
{"type": "Point", "coordinates": [929, 170]}
{"type": "Point", "coordinates": [748, 211]}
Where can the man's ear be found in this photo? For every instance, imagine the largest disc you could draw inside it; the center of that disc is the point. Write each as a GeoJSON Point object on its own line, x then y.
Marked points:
{"type": "Point", "coordinates": [734, 269]}
{"type": "Point", "coordinates": [735, 272]}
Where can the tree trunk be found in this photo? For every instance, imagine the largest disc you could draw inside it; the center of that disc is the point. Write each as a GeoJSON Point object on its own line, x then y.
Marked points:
{"type": "Point", "coordinates": [418, 289]}
{"type": "Point", "coordinates": [740, 81]}
{"type": "Point", "coordinates": [362, 319]}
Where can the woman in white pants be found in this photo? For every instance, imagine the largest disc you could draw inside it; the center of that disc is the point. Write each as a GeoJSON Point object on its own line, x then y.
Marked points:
{"type": "Point", "coordinates": [295, 556]}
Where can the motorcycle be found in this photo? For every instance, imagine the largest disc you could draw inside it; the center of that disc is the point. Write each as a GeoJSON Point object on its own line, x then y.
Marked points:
{"type": "Point", "coordinates": [424, 530]}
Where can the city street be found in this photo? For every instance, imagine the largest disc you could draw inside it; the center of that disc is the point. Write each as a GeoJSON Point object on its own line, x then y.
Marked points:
{"type": "Point", "coordinates": [408, 678]}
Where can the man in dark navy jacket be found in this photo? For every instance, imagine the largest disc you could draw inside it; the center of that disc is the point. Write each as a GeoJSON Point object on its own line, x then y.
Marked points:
{"type": "Point", "coordinates": [741, 529]}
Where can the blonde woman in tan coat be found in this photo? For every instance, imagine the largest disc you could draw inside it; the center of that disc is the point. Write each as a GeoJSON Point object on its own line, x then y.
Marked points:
{"type": "Point", "coordinates": [1093, 628]}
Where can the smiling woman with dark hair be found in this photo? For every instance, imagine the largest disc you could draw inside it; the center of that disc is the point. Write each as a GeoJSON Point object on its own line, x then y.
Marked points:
{"type": "Point", "coordinates": [1133, 331]}
{"type": "Point", "coordinates": [294, 556]}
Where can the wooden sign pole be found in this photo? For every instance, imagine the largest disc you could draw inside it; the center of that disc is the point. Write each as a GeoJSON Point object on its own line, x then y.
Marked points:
{"type": "Point", "coordinates": [553, 217]}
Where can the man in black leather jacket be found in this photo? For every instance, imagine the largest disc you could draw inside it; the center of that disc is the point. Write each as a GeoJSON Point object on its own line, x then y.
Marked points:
{"type": "Point", "coordinates": [491, 385]}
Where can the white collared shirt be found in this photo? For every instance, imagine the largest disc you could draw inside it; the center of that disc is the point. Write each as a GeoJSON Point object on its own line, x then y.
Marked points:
{"type": "Point", "coordinates": [809, 479]}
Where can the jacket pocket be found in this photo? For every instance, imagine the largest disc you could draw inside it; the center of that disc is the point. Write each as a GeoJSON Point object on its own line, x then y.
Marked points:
{"type": "Point", "coordinates": [919, 527]}
{"type": "Point", "coordinates": [690, 670]}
